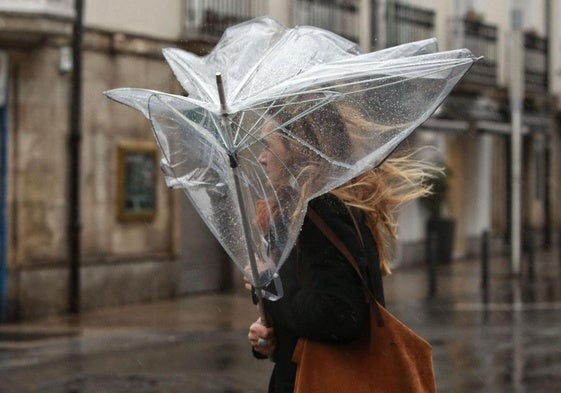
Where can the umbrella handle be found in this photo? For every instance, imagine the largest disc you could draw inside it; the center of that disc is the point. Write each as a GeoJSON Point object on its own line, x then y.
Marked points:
{"type": "Point", "coordinates": [265, 320]}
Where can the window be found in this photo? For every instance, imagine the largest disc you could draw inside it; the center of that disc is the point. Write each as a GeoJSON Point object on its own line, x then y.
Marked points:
{"type": "Point", "coordinates": [136, 181]}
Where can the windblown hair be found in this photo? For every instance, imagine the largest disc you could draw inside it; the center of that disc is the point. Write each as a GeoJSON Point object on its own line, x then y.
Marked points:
{"type": "Point", "coordinates": [380, 192]}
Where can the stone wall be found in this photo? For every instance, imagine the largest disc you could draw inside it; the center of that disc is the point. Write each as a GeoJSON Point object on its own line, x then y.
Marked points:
{"type": "Point", "coordinates": [121, 261]}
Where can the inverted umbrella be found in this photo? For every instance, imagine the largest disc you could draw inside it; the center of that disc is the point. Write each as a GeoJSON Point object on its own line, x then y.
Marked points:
{"type": "Point", "coordinates": [275, 117]}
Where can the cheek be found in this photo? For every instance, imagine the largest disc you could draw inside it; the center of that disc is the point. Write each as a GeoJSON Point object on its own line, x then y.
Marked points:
{"type": "Point", "coordinates": [271, 158]}
{"type": "Point", "coordinates": [282, 152]}
{"type": "Point", "coordinates": [272, 163]}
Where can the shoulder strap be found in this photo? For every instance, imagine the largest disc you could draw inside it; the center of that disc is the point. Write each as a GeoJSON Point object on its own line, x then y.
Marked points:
{"type": "Point", "coordinates": [334, 239]}
{"type": "Point", "coordinates": [357, 229]}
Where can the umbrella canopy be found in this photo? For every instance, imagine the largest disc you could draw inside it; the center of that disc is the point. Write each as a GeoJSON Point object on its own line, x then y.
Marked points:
{"type": "Point", "coordinates": [275, 117]}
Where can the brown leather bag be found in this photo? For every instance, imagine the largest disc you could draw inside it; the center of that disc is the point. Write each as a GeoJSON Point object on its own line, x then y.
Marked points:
{"type": "Point", "coordinates": [390, 358]}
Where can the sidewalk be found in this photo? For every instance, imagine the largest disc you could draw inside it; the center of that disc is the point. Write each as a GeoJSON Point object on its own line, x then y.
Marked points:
{"type": "Point", "coordinates": [198, 343]}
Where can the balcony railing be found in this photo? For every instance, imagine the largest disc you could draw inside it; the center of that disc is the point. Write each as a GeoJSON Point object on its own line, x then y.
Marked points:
{"type": "Point", "coordinates": [208, 19]}
{"type": "Point", "coordinates": [481, 39]}
{"type": "Point", "coordinates": [339, 16]}
{"type": "Point", "coordinates": [406, 23]}
{"type": "Point", "coordinates": [535, 63]}
{"type": "Point", "coordinates": [60, 8]}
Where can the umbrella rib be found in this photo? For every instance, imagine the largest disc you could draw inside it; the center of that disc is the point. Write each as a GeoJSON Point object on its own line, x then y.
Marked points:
{"type": "Point", "coordinates": [282, 126]}
{"type": "Point", "coordinates": [219, 127]}
{"type": "Point", "coordinates": [203, 131]}
{"type": "Point", "coordinates": [239, 127]}
{"type": "Point", "coordinates": [249, 133]}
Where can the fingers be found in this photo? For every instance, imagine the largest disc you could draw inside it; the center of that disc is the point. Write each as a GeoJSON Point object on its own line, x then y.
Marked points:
{"type": "Point", "coordinates": [247, 283]}
{"type": "Point", "coordinates": [257, 330]}
{"type": "Point", "coordinates": [262, 338]}
{"type": "Point", "coordinates": [265, 347]}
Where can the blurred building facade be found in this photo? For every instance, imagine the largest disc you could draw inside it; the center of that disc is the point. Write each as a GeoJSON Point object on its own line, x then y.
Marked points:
{"type": "Point", "coordinates": [145, 243]}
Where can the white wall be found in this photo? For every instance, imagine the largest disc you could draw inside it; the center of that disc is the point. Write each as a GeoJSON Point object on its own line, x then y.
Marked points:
{"type": "Point", "coordinates": [157, 19]}
{"type": "Point", "coordinates": [477, 184]}
{"type": "Point", "coordinates": [281, 10]}
{"type": "Point", "coordinates": [534, 15]}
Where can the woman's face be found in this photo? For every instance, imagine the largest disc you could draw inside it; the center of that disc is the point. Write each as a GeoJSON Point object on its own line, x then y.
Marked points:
{"type": "Point", "coordinates": [274, 156]}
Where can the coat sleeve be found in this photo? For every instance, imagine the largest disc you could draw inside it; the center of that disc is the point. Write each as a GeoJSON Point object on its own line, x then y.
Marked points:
{"type": "Point", "coordinates": [324, 298]}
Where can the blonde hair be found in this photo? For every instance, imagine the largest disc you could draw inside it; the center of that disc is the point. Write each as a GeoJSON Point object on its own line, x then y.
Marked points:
{"type": "Point", "coordinates": [381, 191]}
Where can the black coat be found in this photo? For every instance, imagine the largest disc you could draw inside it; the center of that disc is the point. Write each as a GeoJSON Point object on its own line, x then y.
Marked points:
{"type": "Point", "coordinates": [323, 296]}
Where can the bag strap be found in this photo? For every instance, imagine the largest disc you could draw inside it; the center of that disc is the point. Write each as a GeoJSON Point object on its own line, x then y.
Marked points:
{"type": "Point", "coordinates": [357, 229]}
{"type": "Point", "coordinates": [334, 239]}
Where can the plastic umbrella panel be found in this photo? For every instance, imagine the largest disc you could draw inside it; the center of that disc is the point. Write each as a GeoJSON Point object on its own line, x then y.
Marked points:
{"type": "Point", "coordinates": [301, 112]}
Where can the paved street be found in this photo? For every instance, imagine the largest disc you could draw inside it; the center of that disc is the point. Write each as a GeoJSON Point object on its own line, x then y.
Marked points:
{"type": "Point", "coordinates": [512, 343]}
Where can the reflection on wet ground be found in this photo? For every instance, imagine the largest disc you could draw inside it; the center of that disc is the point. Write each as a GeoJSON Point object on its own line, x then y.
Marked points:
{"type": "Point", "coordinates": [509, 343]}
{"type": "Point", "coordinates": [504, 349]}
{"type": "Point", "coordinates": [512, 343]}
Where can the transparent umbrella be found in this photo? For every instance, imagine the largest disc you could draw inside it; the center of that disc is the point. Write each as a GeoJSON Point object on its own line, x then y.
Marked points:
{"type": "Point", "coordinates": [274, 117]}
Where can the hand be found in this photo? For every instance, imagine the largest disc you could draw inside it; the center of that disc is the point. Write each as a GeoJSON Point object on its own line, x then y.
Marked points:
{"type": "Point", "coordinates": [262, 338]}
{"type": "Point", "coordinates": [247, 284]}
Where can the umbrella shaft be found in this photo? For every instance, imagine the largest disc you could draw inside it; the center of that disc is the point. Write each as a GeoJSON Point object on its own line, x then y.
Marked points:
{"type": "Point", "coordinates": [239, 194]}
{"type": "Point", "coordinates": [251, 253]}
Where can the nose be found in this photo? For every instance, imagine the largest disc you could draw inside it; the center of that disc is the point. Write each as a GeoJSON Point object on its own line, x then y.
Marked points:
{"type": "Point", "coordinates": [262, 158]}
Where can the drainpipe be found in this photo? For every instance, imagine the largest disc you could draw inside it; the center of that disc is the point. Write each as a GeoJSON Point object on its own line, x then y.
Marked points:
{"type": "Point", "coordinates": [547, 152]}
{"type": "Point", "coordinates": [549, 35]}
{"type": "Point", "coordinates": [3, 210]}
{"type": "Point", "coordinates": [516, 93]}
{"type": "Point", "coordinates": [3, 186]}
{"type": "Point", "coordinates": [75, 139]}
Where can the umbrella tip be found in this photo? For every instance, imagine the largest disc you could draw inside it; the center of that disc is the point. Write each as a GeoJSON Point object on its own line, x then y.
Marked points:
{"type": "Point", "coordinates": [221, 95]}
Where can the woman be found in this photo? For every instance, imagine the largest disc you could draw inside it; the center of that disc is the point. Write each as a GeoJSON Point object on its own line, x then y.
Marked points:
{"type": "Point", "coordinates": [323, 296]}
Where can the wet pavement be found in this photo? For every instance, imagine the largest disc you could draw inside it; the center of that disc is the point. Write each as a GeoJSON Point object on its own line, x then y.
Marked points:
{"type": "Point", "coordinates": [509, 343]}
